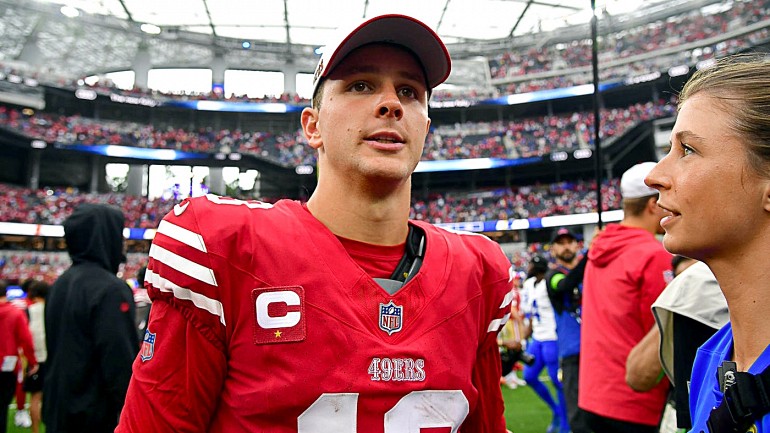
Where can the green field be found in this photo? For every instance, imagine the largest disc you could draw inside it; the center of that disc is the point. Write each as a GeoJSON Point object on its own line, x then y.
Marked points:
{"type": "Point", "coordinates": [524, 412]}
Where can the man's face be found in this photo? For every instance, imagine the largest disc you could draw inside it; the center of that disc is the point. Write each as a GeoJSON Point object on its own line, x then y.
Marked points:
{"type": "Point", "coordinates": [565, 249]}
{"type": "Point", "coordinates": [373, 118]}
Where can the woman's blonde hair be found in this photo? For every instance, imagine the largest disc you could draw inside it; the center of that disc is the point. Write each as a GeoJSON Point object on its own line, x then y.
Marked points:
{"type": "Point", "coordinates": [742, 84]}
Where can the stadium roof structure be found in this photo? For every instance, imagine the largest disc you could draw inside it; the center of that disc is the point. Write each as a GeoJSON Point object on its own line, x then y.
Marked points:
{"type": "Point", "coordinates": [77, 38]}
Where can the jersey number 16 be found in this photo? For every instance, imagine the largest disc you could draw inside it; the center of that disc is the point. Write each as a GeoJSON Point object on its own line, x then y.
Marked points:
{"type": "Point", "coordinates": [336, 413]}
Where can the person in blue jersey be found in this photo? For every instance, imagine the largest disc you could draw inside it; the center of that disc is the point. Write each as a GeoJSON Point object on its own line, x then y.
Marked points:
{"type": "Point", "coordinates": [564, 282]}
{"type": "Point", "coordinates": [715, 185]}
{"type": "Point", "coordinates": [542, 347]}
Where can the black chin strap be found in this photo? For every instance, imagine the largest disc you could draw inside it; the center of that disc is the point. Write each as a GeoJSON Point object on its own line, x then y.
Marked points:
{"type": "Point", "coordinates": [745, 401]}
{"type": "Point", "coordinates": [409, 264]}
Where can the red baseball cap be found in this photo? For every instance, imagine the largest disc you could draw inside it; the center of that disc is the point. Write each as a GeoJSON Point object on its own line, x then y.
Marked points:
{"type": "Point", "coordinates": [563, 231]}
{"type": "Point", "coordinates": [393, 29]}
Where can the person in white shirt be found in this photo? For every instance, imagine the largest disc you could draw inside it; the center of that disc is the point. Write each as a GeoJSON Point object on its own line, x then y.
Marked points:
{"type": "Point", "coordinates": [38, 290]}
{"type": "Point", "coordinates": [537, 308]}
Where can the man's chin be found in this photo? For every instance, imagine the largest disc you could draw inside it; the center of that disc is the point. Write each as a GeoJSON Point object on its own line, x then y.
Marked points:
{"type": "Point", "coordinates": [568, 258]}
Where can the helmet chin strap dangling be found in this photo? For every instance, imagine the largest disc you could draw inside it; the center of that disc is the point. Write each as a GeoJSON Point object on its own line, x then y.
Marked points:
{"type": "Point", "coordinates": [409, 264]}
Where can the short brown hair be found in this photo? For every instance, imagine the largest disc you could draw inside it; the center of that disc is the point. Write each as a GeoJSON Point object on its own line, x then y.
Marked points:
{"type": "Point", "coordinates": [741, 83]}
{"type": "Point", "coordinates": [636, 206]}
{"type": "Point", "coordinates": [318, 95]}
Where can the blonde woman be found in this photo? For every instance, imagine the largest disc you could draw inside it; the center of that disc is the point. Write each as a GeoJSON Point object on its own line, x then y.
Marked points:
{"type": "Point", "coordinates": [715, 184]}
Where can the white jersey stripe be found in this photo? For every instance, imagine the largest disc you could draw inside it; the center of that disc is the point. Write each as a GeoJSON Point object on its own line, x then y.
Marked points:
{"type": "Point", "coordinates": [251, 204]}
{"type": "Point", "coordinates": [211, 305]}
{"type": "Point", "coordinates": [507, 300]}
{"type": "Point", "coordinates": [182, 235]}
{"type": "Point", "coordinates": [183, 265]}
{"type": "Point", "coordinates": [496, 324]}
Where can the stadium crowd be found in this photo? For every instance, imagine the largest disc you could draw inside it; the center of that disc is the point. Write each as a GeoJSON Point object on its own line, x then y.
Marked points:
{"type": "Point", "coordinates": [511, 139]}
{"type": "Point", "coordinates": [522, 138]}
{"type": "Point", "coordinates": [519, 138]}
{"type": "Point", "coordinates": [675, 31]}
{"type": "Point", "coordinates": [536, 201]}
{"type": "Point", "coordinates": [53, 206]}
{"type": "Point", "coordinates": [23, 265]}
{"type": "Point", "coordinates": [522, 62]}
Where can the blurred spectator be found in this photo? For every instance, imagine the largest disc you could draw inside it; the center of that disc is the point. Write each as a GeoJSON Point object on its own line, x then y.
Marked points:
{"type": "Point", "coordinates": [90, 332]}
{"type": "Point", "coordinates": [688, 312]}
{"type": "Point", "coordinates": [564, 282]}
{"type": "Point", "coordinates": [15, 338]}
{"type": "Point", "coordinates": [511, 340]}
{"type": "Point", "coordinates": [543, 347]}
{"type": "Point", "coordinates": [626, 271]}
{"type": "Point", "coordinates": [37, 293]}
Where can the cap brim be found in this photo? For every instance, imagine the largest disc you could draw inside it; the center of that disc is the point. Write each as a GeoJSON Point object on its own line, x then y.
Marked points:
{"type": "Point", "coordinates": [392, 29]}
{"type": "Point", "coordinates": [562, 235]}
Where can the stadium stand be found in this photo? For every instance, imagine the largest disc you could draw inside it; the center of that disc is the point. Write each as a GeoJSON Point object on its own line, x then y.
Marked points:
{"type": "Point", "coordinates": [512, 139]}
{"type": "Point", "coordinates": [468, 123]}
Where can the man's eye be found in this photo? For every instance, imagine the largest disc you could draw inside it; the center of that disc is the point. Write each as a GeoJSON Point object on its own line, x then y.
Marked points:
{"type": "Point", "coordinates": [408, 92]}
{"type": "Point", "coordinates": [359, 87]}
{"type": "Point", "coordinates": [686, 150]}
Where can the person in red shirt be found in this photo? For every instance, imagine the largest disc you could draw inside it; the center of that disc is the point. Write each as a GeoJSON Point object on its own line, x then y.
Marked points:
{"type": "Point", "coordinates": [626, 271]}
{"type": "Point", "coordinates": [14, 337]}
{"type": "Point", "coordinates": [341, 314]}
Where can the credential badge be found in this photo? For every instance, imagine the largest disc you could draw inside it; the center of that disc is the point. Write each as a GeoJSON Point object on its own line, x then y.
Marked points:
{"type": "Point", "coordinates": [391, 317]}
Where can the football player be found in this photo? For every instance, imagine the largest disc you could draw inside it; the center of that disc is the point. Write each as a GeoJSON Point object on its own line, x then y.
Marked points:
{"type": "Point", "coordinates": [338, 315]}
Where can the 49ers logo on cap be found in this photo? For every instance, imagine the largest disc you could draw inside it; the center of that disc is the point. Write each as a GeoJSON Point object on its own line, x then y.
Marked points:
{"type": "Point", "coordinates": [279, 313]}
{"type": "Point", "coordinates": [318, 71]}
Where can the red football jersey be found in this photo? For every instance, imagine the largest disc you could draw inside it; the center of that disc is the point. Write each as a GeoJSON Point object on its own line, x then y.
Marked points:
{"type": "Point", "coordinates": [261, 322]}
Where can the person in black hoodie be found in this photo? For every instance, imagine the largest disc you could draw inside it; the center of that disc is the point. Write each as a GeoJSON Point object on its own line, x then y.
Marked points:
{"type": "Point", "coordinates": [90, 333]}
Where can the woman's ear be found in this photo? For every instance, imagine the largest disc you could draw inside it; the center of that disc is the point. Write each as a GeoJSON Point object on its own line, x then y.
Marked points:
{"type": "Point", "coordinates": [766, 196]}
{"type": "Point", "coordinates": [310, 127]}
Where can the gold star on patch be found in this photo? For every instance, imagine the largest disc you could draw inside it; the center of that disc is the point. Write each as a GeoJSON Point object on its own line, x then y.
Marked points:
{"type": "Point", "coordinates": [278, 334]}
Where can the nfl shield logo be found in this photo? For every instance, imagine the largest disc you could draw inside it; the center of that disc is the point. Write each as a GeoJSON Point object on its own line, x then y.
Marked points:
{"type": "Point", "coordinates": [148, 346]}
{"type": "Point", "coordinates": [391, 316]}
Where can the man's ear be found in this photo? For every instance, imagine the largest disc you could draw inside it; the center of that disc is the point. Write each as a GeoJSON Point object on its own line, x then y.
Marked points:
{"type": "Point", "coordinates": [652, 204]}
{"type": "Point", "coordinates": [310, 128]}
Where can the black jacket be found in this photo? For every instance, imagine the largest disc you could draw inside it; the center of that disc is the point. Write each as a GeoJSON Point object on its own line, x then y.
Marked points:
{"type": "Point", "coordinates": [89, 321]}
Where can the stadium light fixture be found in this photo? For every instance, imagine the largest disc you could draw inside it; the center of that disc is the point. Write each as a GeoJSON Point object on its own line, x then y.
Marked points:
{"type": "Point", "coordinates": [150, 29]}
{"type": "Point", "coordinates": [676, 71]}
{"type": "Point", "coordinates": [705, 64]}
{"type": "Point", "coordinates": [69, 11]}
